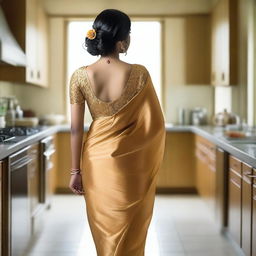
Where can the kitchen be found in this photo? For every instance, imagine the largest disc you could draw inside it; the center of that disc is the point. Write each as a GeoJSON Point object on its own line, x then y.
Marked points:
{"type": "Point", "coordinates": [203, 69]}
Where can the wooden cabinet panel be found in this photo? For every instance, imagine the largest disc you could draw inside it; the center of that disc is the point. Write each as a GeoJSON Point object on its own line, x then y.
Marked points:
{"type": "Point", "coordinates": [224, 43]}
{"type": "Point", "coordinates": [205, 152]}
{"type": "Point", "coordinates": [1, 194]}
{"type": "Point", "coordinates": [63, 162]}
{"type": "Point", "coordinates": [234, 205]}
{"type": "Point", "coordinates": [198, 47]}
{"type": "Point", "coordinates": [235, 164]}
{"type": "Point", "coordinates": [30, 29]}
{"type": "Point", "coordinates": [33, 178]}
{"type": "Point", "coordinates": [254, 217]}
{"type": "Point", "coordinates": [177, 172]}
{"type": "Point", "coordinates": [246, 209]}
{"type": "Point", "coordinates": [221, 187]}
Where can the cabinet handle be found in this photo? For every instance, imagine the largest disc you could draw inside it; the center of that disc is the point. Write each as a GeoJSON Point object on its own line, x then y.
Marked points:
{"type": "Point", "coordinates": [223, 76]}
{"type": "Point", "coordinates": [31, 74]}
{"type": "Point", "coordinates": [38, 74]}
{"type": "Point", "coordinates": [235, 183]}
{"type": "Point", "coordinates": [250, 175]}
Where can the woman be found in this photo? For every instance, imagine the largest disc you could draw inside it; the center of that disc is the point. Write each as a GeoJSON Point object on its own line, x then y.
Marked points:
{"type": "Point", "coordinates": [124, 146]}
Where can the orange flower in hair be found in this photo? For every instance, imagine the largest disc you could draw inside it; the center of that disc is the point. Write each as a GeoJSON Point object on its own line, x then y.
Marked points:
{"type": "Point", "coordinates": [91, 34]}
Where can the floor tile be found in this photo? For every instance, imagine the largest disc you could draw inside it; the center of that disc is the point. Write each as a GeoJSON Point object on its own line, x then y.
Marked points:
{"type": "Point", "coordinates": [181, 226]}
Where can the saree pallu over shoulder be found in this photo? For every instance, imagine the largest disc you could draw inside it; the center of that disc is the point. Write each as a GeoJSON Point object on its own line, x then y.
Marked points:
{"type": "Point", "coordinates": [121, 157]}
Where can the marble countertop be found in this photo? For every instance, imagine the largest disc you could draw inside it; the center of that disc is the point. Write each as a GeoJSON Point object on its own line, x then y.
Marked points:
{"type": "Point", "coordinates": [245, 152]}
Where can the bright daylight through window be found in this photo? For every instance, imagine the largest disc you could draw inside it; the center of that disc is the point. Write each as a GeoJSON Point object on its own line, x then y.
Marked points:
{"type": "Point", "coordinates": [145, 49]}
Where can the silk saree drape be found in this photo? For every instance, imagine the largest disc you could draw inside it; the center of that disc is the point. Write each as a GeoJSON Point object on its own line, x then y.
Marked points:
{"type": "Point", "coordinates": [121, 157]}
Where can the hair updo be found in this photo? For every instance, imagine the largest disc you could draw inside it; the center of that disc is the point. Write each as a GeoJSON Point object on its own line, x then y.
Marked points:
{"type": "Point", "coordinates": [111, 25]}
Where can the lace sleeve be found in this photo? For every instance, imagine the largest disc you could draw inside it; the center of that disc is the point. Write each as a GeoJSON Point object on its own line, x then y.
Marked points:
{"type": "Point", "coordinates": [75, 94]}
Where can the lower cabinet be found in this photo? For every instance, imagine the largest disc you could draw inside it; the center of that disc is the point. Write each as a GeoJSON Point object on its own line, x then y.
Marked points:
{"type": "Point", "coordinates": [205, 153]}
{"type": "Point", "coordinates": [241, 205]}
{"type": "Point", "coordinates": [254, 215]}
{"type": "Point", "coordinates": [177, 173]}
{"type": "Point", "coordinates": [3, 168]}
{"type": "Point", "coordinates": [235, 199]}
{"type": "Point", "coordinates": [246, 209]}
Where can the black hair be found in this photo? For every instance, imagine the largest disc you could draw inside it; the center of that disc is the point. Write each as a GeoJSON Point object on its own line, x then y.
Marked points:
{"type": "Point", "coordinates": [111, 25]}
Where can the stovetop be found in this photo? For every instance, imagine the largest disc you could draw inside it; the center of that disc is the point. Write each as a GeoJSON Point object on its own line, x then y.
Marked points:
{"type": "Point", "coordinates": [13, 134]}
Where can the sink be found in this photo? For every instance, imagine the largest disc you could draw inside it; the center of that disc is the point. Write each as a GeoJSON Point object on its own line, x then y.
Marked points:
{"type": "Point", "coordinates": [243, 140]}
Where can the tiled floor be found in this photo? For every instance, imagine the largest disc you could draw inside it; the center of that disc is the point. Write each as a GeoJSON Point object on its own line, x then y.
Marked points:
{"type": "Point", "coordinates": [181, 225]}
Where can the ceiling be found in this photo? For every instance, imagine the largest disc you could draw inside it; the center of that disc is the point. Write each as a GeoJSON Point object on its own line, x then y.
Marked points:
{"type": "Point", "coordinates": [131, 7]}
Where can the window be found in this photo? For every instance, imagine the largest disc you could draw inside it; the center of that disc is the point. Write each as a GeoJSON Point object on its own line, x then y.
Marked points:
{"type": "Point", "coordinates": [145, 49]}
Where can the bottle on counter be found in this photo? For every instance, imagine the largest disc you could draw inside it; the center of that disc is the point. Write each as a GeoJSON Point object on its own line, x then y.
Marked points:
{"type": "Point", "coordinates": [10, 113]}
{"type": "Point", "coordinates": [18, 112]}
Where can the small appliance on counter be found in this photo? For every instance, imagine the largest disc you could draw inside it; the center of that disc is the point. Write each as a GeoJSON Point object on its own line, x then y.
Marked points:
{"type": "Point", "coordinates": [198, 116]}
{"type": "Point", "coordinates": [225, 118]}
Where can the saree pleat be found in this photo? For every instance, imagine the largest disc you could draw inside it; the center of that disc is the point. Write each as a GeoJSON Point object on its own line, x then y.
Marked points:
{"type": "Point", "coordinates": [121, 157]}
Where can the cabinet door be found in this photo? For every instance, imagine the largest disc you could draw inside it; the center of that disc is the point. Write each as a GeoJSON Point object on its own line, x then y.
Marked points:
{"type": "Point", "coordinates": [33, 178]}
{"type": "Point", "coordinates": [224, 43]}
{"type": "Point", "coordinates": [246, 209]}
{"type": "Point", "coordinates": [177, 172]}
{"type": "Point", "coordinates": [42, 47]}
{"type": "Point", "coordinates": [31, 40]}
{"type": "Point", "coordinates": [254, 219]}
{"type": "Point", "coordinates": [1, 171]}
{"type": "Point", "coordinates": [234, 206]}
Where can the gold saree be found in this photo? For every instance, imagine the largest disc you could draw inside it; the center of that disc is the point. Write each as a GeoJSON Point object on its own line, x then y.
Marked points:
{"type": "Point", "coordinates": [121, 157]}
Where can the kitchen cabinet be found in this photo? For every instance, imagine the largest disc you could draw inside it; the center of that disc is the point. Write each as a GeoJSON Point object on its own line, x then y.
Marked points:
{"type": "Point", "coordinates": [224, 21]}
{"type": "Point", "coordinates": [5, 208]}
{"type": "Point", "coordinates": [246, 209]}
{"type": "Point", "coordinates": [189, 48]}
{"type": "Point", "coordinates": [33, 178]}
{"type": "Point", "coordinates": [235, 199]}
{"type": "Point", "coordinates": [254, 214]}
{"type": "Point", "coordinates": [29, 25]}
{"type": "Point", "coordinates": [221, 188]}
{"type": "Point", "coordinates": [177, 172]}
{"type": "Point", "coordinates": [205, 153]}
{"type": "Point", "coordinates": [3, 167]}
{"type": "Point", "coordinates": [48, 169]}
{"type": "Point", "coordinates": [63, 166]}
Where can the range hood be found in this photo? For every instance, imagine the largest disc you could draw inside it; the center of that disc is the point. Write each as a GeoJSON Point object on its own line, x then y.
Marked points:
{"type": "Point", "coordinates": [10, 51]}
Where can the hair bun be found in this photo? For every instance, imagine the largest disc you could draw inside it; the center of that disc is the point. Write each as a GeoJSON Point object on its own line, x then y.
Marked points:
{"type": "Point", "coordinates": [110, 26]}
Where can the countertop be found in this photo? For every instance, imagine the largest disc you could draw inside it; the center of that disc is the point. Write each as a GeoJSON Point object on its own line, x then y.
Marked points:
{"type": "Point", "coordinates": [245, 152]}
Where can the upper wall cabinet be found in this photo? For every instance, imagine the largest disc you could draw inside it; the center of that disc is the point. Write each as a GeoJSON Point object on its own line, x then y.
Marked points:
{"type": "Point", "coordinates": [28, 23]}
{"type": "Point", "coordinates": [187, 50]}
{"type": "Point", "coordinates": [224, 43]}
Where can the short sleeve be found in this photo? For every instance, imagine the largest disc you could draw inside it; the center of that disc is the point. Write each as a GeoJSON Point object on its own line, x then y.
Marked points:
{"type": "Point", "coordinates": [75, 94]}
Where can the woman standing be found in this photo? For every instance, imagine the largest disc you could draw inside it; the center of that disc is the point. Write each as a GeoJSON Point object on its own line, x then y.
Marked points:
{"type": "Point", "coordinates": [116, 166]}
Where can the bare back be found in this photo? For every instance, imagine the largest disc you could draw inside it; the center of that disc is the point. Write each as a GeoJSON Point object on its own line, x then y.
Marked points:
{"type": "Point", "coordinates": [107, 88]}
{"type": "Point", "coordinates": [108, 81]}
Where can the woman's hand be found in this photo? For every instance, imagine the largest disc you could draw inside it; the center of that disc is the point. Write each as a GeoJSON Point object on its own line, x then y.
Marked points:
{"type": "Point", "coordinates": [76, 184]}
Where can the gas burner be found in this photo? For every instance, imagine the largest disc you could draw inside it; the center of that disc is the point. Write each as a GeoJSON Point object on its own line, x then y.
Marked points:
{"type": "Point", "coordinates": [14, 134]}
{"type": "Point", "coordinates": [19, 130]}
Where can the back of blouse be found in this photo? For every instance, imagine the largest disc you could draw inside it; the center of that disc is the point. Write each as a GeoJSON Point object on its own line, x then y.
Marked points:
{"type": "Point", "coordinates": [81, 91]}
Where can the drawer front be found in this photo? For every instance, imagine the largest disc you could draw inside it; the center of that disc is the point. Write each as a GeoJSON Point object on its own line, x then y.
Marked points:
{"type": "Point", "coordinates": [235, 164]}
{"type": "Point", "coordinates": [254, 193]}
{"type": "Point", "coordinates": [254, 174]}
{"type": "Point", "coordinates": [234, 178]}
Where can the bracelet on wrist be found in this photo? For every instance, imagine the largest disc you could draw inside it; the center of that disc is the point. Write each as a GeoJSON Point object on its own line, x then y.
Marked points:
{"type": "Point", "coordinates": [75, 171]}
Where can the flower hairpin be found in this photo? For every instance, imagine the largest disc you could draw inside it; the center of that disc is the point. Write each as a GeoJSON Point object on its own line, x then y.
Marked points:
{"type": "Point", "coordinates": [91, 34]}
